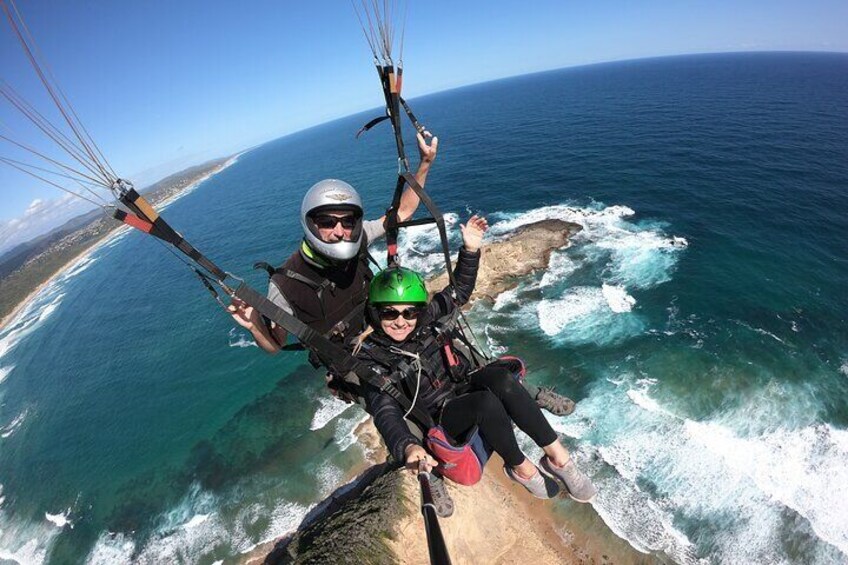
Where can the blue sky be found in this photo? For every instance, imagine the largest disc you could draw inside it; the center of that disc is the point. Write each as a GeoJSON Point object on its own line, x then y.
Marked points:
{"type": "Point", "coordinates": [163, 85]}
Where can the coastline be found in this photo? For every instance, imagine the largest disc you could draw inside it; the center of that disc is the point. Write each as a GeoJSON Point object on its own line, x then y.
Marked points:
{"type": "Point", "coordinates": [9, 318]}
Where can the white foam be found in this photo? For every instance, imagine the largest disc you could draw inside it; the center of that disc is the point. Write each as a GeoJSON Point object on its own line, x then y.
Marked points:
{"type": "Point", "coordinates": [26, 542]}
{"type": "Point", "coordinates": [14, 425]}
{"type": "Point", "coordinates": [617, 298]}
{"type": "Point", "coordinates": [583, 216]}
{"type": "Point", "coordinates": [30, 318]}
{"type": "Point", "coordinates": [742, 485]}
{"type": "Point", "coordinates": [760, 331]}
{"type": "Point", "coordinates": [641, 399]}
{"type": "Point", "coordinates": [111, 548]}
{"type": "Point", "coordinates": [193, 530]}
{"type": "Point", "coordinates": [495, 347]}
{"type": "Point", "coordinates": [284, 519]}
{"type": "Point", "coordinates": [633, 516]}
{"type": "Point", "coordinates": [4, 372]}
{"type": "Point", "coordinates": [346, 431]}
{"type": "Point", "coordinates": [505, 299]}
{"type": "Point", "coordinates": [329, 407]}
{"type": "Point", "coordinates": [559, 268]}
{"type": "Point", "coordinates": [59, 520]}
{"type": "Point", "coordinates": [82, 264]}
{"type": "Point", "coordinates": [578, 303]}
{"type": "Point", "coordinates": [196, 520]}
{"type": "Point", "coordinates": [805, 469]}
{"type": "Point", "coordinates": [239, 338]}
{"type": "Point", "coordinates": [583, 315]}
{"type": "Point", "coordinates": [612, 254]}
{"type": "Point", "coordinates": [420, 246]}
{"type": "Point", "coordinates": [32, 551]}
{"type": "Point", "coordinates": [329, 478]}
{"type": "Point", "coordinates": [638, 259]}
{"type": "Point", "coordinates": [844, 368]}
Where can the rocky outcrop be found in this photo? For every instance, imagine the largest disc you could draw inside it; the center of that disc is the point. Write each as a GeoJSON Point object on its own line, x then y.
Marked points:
{"type": "Point", "coordinates": [526, 250]}
{"type": "Point", "coordinates": [357, 524]}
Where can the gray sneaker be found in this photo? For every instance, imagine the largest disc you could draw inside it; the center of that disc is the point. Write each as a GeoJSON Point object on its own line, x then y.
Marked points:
{"type": "Point", "coordinates": [540, 485]}
{"type": "Point", "coordinates": [549, 399]}
{"type": "Point", "coordinates": [441, 499]}
{"type": "Point", "coordinates": [578, 485]}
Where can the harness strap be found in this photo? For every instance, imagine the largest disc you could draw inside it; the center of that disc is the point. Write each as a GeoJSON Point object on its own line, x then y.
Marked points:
{"type": "Point", "coordinates": [316, 286]}
{"type": "Point", "coordinates": [148, 220]}
{"type": "Point", "coordinates": [333, 356]}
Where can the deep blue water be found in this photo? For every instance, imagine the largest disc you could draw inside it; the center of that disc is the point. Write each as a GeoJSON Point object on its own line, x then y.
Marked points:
{"type": "Point", "coordinates": [699, 320]}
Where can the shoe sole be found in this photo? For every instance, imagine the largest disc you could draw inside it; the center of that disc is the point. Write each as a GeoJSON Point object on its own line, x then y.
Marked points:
{"type": "Point", "coordinates": [544, 470]}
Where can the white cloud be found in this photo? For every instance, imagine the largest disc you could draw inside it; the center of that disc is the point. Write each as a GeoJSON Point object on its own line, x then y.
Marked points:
{"type": "Point", "coordinates": [33, 207]}
{"type": "Point", "coordinates": [41, 216]}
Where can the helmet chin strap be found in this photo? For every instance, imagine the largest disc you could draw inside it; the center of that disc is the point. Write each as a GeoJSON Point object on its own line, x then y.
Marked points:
{"type": "Point", "coordinates": [319, 258]}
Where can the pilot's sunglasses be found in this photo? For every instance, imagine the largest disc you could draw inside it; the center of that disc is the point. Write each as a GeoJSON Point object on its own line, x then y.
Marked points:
{"type": "Point", "coordinates": [325, 222]}
{"type": "Point", "coordinates": [389, 314]}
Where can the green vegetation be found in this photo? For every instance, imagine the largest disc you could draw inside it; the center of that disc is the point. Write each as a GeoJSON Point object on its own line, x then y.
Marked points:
{"type": "Point", "coordinates": [355, 533]}
{"type": "Point", "coordinates": [23, 271]}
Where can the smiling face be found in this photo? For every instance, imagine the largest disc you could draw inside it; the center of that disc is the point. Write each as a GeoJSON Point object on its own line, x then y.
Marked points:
{"type": "Point", "coordinates": [335, 226]}
{"type": "Point", "coordinates": [399, 320]}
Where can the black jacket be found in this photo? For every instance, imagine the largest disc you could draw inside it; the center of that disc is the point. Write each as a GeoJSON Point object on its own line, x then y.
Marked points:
{"type": "Point", "coordinates": [341, 289]}
{"type": "Point", "coordinates": [437, 383]}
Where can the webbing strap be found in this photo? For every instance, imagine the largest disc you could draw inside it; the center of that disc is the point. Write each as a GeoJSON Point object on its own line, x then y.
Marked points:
{"type": "Point", "coordinates": [316, 286]}
{"type": "Point", "coordinates": [415, 123]}
{"type": "Point", "coordinates": [149, 221]}
{"type": "Point", "coordinates": [333, 356]}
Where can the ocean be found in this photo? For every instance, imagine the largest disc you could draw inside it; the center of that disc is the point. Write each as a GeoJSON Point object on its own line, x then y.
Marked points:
{"type": "Point", "coordinates": [699, 321]}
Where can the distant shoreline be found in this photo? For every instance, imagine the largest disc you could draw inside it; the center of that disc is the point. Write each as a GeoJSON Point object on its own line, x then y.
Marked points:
{"type": "Point", "coordinates": [108, 236]}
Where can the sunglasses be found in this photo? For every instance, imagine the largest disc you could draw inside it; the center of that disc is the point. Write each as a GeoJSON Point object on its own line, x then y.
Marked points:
{"type": "Point", "coordinates": [389, 314]}
{"type": "Point", "coordinates": [325, 222]}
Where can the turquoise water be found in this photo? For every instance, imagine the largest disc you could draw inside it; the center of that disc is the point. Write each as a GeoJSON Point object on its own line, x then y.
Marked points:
{"type": "Point", "coordinates": [699, 320]}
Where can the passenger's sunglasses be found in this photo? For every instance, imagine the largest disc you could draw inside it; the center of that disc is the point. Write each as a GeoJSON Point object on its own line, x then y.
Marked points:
{"type": "Point", "coordinates": [326, 222]}
{"type": "Point", "coordinates": [389, 314]}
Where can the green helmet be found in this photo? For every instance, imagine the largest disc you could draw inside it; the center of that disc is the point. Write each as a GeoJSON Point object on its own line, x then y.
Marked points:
{"type": "Point", "coordinates": [397, 285]}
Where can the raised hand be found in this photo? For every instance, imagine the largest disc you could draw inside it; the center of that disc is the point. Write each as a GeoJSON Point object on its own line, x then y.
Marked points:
{"type": "Point", "coordinates": [472, 232]}
{"type": "Point", "coordinates": [244, 315]}
{"type": "Point", "coordinates": [426, 152]}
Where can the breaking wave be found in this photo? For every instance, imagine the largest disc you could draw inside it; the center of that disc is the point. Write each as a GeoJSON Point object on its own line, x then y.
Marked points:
{"type": "Point", "coordinates": [673, 474]}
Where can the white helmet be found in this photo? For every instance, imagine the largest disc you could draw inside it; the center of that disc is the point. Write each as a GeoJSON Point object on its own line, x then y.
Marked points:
{"type": "Point", "coordinates": [332, 195]}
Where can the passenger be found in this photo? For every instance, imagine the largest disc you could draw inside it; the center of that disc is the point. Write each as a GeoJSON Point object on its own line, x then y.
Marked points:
{"type": "Point", "coordinates": [325, 283]}
{"type": "Point", "coordinates": [457, 397]}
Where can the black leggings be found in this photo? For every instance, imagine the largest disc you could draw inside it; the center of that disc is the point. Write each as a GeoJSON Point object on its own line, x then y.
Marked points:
{"type": "Point", "coordinates": [494, 401]}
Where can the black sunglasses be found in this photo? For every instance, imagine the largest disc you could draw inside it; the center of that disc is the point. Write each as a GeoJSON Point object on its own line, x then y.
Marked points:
{"type": "Point", "coordinates": [326, 222]}
{"type": "Point", "coordinates": [389, 314]}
